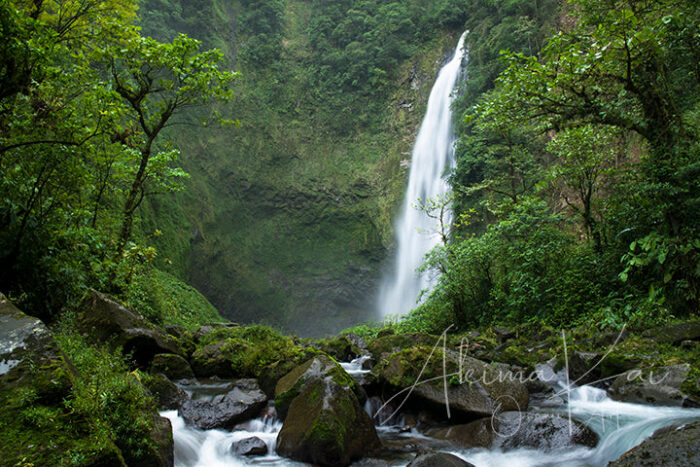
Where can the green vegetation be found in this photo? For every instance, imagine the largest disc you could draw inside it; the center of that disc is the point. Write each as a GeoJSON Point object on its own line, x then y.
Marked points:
{"type": "Point", "coordinates": [91, 412]}
{"type": "Point", "coordinates": [576, 190]}
{"type": "Point", "coordinates": [84, 100]}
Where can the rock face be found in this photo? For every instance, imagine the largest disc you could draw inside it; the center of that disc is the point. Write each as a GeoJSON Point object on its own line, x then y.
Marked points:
{"type": "Point", "coordinates": [109, 322]}
{"type": "Point", "coordinates": [512, 430]}
{"type": "Point", "coordinates": [325, 425]}
{"type": "Point", "coordinates": [173, 366]}
{"type": "Point", "coordinates": [441, 459]}
{"type": "Point", "coordinates": [252, 446]}
{"type": "Point", "coordinates": [162, 436]}
{"type": "Point", "coordinates": [242, 403]}
{"type": "Point", "coordinates": [483, 391]}
{"type": "Point", "coordinates": [294, 382]}
{"type": "Point", "coordinates": [679, 447]}
{"type": "Point", "coordinates": [661, 387]}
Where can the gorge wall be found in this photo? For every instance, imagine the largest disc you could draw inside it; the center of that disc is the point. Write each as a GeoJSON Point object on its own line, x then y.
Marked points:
{"type": "Point", "coordinates": [287, 217]}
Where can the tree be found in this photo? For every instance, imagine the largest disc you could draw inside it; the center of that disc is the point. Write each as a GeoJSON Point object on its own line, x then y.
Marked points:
{"type": "Point", "coordinates": [158, 81]}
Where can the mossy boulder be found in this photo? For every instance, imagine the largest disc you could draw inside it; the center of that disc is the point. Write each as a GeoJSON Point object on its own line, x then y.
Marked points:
{"type": "Point", "coordinates": [676, 446]}
{"type": "Point", "coordinates": [241, 351]}
{"type": "Point", "coordinates": [326, 425]}
{"type": "Point", "coordinates": [515, 430]}
{"type": "Point", "coordinates": [173, 366]}
{"type": "Point", "coordinates": [474, 388]}
{"type": "Point", "coordinates": [342, 348]}
{"type": "Point", "coordinates": [107, 321]}
{"type": "Point", "coordinates": [166, 393]}
{"type": "Point", "coordinates": [272, 373]}
{"type": "Point", "coordinates": [390, 343]}
{"type": "Point", "coordinates": [316, 368]}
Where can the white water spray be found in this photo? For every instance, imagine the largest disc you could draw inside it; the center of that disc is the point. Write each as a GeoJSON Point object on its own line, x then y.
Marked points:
{"type": "Point", "coordinates": [417, 233]}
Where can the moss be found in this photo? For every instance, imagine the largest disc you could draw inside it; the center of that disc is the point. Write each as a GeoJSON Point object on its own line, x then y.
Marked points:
{"type": "Point", "coordinates": [164, 299]}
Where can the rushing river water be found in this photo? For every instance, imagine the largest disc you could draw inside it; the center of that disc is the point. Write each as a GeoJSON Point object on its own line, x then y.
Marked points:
{"type": "Point", "coordinates": [620, 426]}
{"type": "Point", "coordinates": [416, 232]}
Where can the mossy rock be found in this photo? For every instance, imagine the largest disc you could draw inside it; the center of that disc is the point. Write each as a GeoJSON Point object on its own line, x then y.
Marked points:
{"type": "Point", "coordinates": [391, 343]}
{"type": "Point", "coordinates": [173, 366]}
{"type": "Point", "coordinates": [271, 374]}
{"type": "Point", "coordinates": [318, 367]}
{"type": "Point", "coordinates": [342, 348]}
{"type": "Point", "coordinates": [241, 351]}
{"type": "Point", "coordinates": [326, 426]}
{"type": "Point", "coordinates": [474, 388]}
{"type": "Point", "coordinates": [166, 393]}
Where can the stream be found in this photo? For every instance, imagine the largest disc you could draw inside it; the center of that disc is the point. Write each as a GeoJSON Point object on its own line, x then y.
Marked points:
{"type": "Point", "coordinates": [620, 426]}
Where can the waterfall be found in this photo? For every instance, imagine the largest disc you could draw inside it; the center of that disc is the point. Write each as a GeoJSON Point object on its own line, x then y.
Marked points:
{"type": "Point", "coordinates": [416, 232]}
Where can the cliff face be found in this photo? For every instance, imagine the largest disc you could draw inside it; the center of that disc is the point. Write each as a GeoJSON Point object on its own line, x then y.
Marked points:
{"type": "Point", "coordinates": [287, 217]}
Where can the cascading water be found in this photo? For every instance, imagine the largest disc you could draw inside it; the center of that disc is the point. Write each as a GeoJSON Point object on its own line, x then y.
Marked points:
{"type": "Point", "coordinates": [416, 232]}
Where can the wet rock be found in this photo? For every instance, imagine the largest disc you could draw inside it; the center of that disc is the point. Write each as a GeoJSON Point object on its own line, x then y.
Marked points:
{"type": "Point", "coordinates": [326, 425]}
{"type": "Point", "coordinates": [241, 403]}
{"type": "Point", "coordinates": [317, 368]}
{"type": "Point", "coordinates": [168, 396]}
{"type": "Point", "coordinates": [584, 367]}
{"type": "Point", "coordinates": [661, 386]}
{"type": "Point", "coordinates": [481, 391]}
{"type": "Point", "coordinates": [441, 459]}
{"type": "Point", "coordinates": [676, 333]}
{"type": "Point", "coordinates": [676, 446]}
{"type": "Point", "coordinates": [252, 446]}
{"type": "Point", "coordinates": [108, 322]}
{"type": "Point", "coordinates": [513, 430]}
{"type": "Point", "coordinates": [173, 366]}
{"type": "Point", "coordinates": [341, 348]}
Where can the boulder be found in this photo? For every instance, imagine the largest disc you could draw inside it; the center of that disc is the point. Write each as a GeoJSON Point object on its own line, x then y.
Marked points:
{"type": "Point", "coordinates": [316, 368]}
{"type": "Point", "coordinates": [341, 348]}
{"type": "Point", "coordinates": [212, 360]}
{"type": "Point", "coordinates": [584, 367]}
{"type": "Point", "coordinates": [162, 436]}
{"type": "Point", "coordinates": [326, 425]}
{"type": "Point", "coordinates": [503, 333]}
{"type": "Point", "coordinates": [513, 430]}
{"type": "Point", "coordinates": [482, 390]}
{"type": "Point", "coordinates": [108, 322]}
{"type": "Point", "coordinates": [242, 403]}
{"type": "Point", "coordinates": [173, 366]}
{"type": "Point", "coordinates": [442, 459]}
{"type": "Point", "coordinates": [676, 446]}
{"type": "Point", "coordinates": [168, 396]}
{"type": "Point", "coordinates": [661, 386]}
{"type": "Point", "coordinates": [205, 329]}
{"type": "Point", "coordinates": [676, 333]}
{"type": "Point", "coordinates": [252, 446]}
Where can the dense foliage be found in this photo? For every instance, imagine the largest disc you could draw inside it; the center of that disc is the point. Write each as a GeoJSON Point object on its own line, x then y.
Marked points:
{"type": "Point", "coordinates": [84, 99]}
{"type": "Point", "coordinates": [577, 177]}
